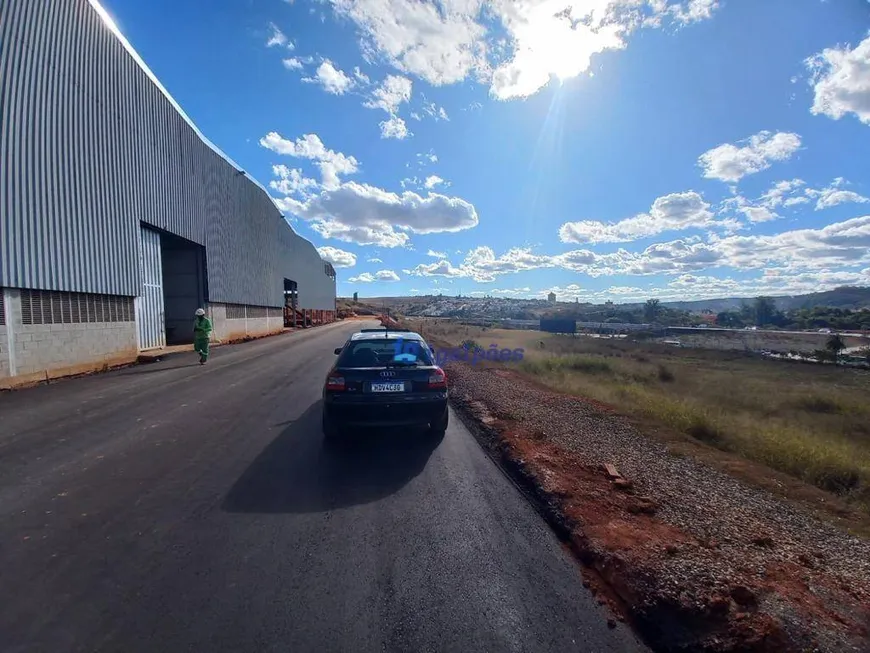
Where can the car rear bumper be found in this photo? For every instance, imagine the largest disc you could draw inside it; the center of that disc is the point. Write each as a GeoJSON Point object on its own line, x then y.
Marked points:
{"type": "Point", "coordinates": [408, 410]}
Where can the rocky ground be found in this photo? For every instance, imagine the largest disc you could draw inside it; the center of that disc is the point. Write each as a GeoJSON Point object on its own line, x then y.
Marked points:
{"type": "Point", "coordinates": [697, 559]}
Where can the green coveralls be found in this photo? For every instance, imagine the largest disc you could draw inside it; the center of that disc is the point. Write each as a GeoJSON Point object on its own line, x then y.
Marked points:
{"type": "Point", "coordinates": [201, 334]}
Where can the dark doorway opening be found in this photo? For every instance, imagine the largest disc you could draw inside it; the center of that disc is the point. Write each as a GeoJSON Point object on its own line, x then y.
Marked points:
{"type": "Point", "coordinates": [291, 303]}
{"type": "Point", "coordinates": [184, 286]}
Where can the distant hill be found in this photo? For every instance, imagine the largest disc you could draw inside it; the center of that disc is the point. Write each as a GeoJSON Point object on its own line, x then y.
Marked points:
{"type": "Point", "coordinates": [845, 297]}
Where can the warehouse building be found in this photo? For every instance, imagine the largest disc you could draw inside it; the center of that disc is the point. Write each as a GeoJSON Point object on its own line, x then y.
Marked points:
{"type": "Point", "coordinates": [118, 218]}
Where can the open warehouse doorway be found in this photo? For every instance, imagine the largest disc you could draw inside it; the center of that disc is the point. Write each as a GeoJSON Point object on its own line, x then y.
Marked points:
{"type": "Point", "coordinates": [183, 286]}
{"type": "Point", "coordinates": [173, 286]}
{"type": "Point", "coordinates": [291, 304]}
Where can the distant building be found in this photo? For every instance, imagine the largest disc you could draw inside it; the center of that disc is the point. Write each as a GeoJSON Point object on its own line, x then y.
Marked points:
{"type": "Point", "coordinates": [551, 298]}
{"type": "Point", "coordinates": [356, 297]}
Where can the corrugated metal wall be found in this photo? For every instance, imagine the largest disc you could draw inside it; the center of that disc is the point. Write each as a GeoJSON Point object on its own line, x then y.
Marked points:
{"type": "Point", "coordinates": [90, 147]}
{"type": "Point", "coordinates": [301, 263]}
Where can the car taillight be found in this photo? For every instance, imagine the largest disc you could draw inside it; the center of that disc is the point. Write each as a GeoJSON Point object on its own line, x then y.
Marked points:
{"type": "Point", "coordinates": [334, 382]}
{"type": "Point", "coordinates": [437, 379]}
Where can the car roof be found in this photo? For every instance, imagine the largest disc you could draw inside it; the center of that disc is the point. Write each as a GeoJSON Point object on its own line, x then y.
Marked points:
{"type": "Point", "coordinates": [387, 335]}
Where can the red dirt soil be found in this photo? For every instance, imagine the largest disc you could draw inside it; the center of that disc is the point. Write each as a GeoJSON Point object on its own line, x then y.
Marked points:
{"type": "Point", "coordinates": [632, 555]}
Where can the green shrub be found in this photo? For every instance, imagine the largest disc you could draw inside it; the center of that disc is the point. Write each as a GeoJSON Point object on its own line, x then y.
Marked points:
{"type": "Point", "coordinates": [471, 346]}
{"type": "Point", "coordinates": [818, 404]}
{"type": "Point", "coordinates": [665, 375]}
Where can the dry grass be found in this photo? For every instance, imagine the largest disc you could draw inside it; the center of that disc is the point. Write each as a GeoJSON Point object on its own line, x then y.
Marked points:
{"type": "Point", "coordinates": [811, 422]}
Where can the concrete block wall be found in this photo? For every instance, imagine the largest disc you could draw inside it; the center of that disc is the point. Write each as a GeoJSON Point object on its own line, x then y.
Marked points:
{"type": "Point", "coordinates": [37, 352]}
{"type": "Point", "coordinates": [226, 329]}
{"type": "Point", "coordinates": [4, 352]}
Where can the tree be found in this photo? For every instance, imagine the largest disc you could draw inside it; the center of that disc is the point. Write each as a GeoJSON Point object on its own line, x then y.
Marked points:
{"type": "Point", "coordinates": [651, 310]}
{"type": "Point", "coordinates": [764, 310]}
{"type": "Point", "coordinates": [835, 344]}
{"type": "Point", "coordinates": [729, 319]}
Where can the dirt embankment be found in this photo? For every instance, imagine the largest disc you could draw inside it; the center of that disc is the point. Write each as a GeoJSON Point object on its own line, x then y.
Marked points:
{"type": "Point", "coordinates": [696, 559]}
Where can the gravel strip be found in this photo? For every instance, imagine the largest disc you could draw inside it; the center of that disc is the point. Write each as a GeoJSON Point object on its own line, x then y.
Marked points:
{"type": "Point", "coordinates": [749, 535]}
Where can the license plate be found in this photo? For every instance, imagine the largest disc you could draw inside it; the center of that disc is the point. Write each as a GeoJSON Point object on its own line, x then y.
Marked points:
{"type": "Point", "coordinates": [388, 387]}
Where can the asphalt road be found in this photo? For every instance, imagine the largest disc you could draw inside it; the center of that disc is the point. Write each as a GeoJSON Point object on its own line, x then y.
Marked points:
{"type": "Point", "coordinates": [173, 507]}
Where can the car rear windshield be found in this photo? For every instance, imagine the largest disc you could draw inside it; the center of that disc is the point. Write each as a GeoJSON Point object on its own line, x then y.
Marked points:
{"type": "Point", "coordinates": [377, 353]}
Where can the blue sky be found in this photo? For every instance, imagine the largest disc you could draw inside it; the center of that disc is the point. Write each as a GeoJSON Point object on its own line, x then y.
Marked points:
{"type": "Point", "coordinates": [603, 149]}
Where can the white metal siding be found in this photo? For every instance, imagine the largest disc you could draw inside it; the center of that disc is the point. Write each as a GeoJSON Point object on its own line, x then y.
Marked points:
{"type": "Point", "coordinates": [149, 304]}
{"type": "Point", "coordinates": [91, 146]}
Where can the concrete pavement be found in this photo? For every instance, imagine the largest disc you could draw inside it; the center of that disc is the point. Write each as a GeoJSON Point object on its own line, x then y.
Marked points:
{"type": "Point", "coordinates": [175, 507]}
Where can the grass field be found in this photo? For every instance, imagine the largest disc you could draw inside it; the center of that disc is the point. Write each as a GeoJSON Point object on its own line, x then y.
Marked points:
{"type": "Point", "coordinates": [809, 421]}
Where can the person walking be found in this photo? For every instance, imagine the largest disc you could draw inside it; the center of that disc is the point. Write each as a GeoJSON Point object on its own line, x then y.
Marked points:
{"type": "Point", "coordinates": [201, 335]}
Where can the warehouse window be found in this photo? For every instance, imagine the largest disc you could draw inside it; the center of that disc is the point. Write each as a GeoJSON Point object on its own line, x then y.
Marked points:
{"type": "Point", "coordinates": [240, 312]}
{"type": "Point", "coordinates": [2, 308]}
{"type": "Point", "coordinates": [49, 307]}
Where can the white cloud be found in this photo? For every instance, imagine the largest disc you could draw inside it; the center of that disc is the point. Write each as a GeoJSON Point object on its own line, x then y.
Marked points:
{"type": "Point", "coordinates": [439, 113]}
{"type": "Point", "coordinates": [442, 268]}
{"type": "Point", "coordinates": [338, 257]}
{"type": "Point", "coordinates": [760, 210]}
{"type": "Point", "coordinates": [694, 10]}
{"type": "Point", "coordinates": [731, 163]}
{"type": "Point", "coordinates": [332, 79]}
{"type": "Point", "coordinates": [293, 63]}
{"type": "Point", "coordinates": [831, 198]}
{"type": "Point", "coordinates": [374, 260]}
{"type": "Point", "coordinates": [834, 194]}
{"type": "Point", "coordinates": [759, 214]}
{"type": "Point", "coordinates": [395, 127]}
{"type": "Point", "coordinates": [781, 192]}
{"type": "Point", "coordinates": [794, 192]}
{"type": "Point", "coordinates": [432, 181]}
{"type": "Point", "coordinates": [552, 41]}
{"type": "Point", "coordinates": [482, 264]}
{"type": "Point", "coordinates": [371, 216]}
{"type": "Point", "coordinates": [690, 286]}
{"type": "Point", "coordinates": [417, 38]}
{"type": "Point", "coordinates": [285, 204]}
{"type": "Point", "coordinates": [788, 194]}
{"type": "Point", "coordinates": [331, 163]}
{"type": "Point", "coordinates": [838, 246]}
{"type": "Point", "coordinates": [425, 158]}
{"type": "Point", "coordinates": [841, 81]}
{"type": "Point", "coordinates": [291, 181]}
{"type": "Point", "coordinates": [381, 275]}
{"type": "Point", "coordinates": [360, 76]}
{"type": "Point", "coordinates": [393, 92]}
{"type": "Point", "coordinates": [276, 37]}
{"type": "Point", "coordinates": [435, 254]}
{"type": "Point", "coordinates": [532, 40]}
{"type": "Point", "coordinates": [672, 212]}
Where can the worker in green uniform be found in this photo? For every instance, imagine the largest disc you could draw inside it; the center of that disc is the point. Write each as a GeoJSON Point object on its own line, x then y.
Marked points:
{"type": "Point", "coordinates": [201, 335]}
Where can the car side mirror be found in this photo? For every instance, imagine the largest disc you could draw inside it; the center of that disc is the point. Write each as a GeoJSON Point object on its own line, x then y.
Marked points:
{"type": "Point", "coordinates": [337, 351]}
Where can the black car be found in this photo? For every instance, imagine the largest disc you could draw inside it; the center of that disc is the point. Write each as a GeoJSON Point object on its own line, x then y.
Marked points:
{"type": "Point", "coordinates": [385, 377]}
